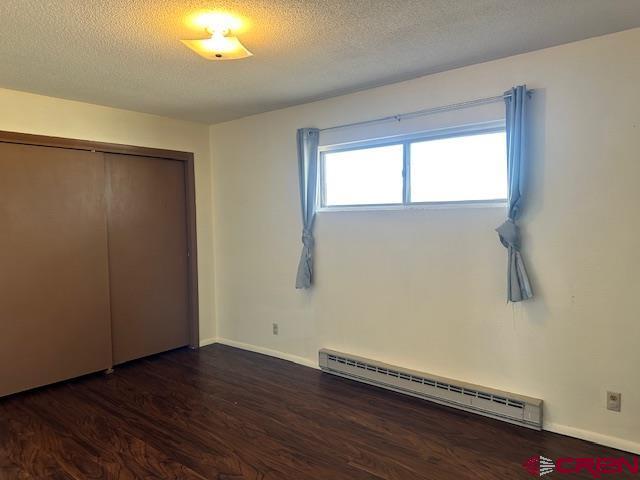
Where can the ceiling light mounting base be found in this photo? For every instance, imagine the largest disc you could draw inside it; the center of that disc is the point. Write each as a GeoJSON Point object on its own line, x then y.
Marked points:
{"type": "Point", "coordinates": [217, 32]}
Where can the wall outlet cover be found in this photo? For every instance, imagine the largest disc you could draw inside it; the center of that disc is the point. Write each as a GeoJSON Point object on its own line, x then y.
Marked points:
{"type": "Point", "coordinates": [614, 400]}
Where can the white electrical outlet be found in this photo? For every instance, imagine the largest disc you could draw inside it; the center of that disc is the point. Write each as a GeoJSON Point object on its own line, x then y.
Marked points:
{"type": "Point", "coordinates": [614, 400]}
{"type": "Point", "coordinates": [275, 328]}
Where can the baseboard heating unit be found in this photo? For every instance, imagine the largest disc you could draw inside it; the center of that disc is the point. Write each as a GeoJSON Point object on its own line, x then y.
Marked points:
{"type": "Point", "coordinates": [509, 407]}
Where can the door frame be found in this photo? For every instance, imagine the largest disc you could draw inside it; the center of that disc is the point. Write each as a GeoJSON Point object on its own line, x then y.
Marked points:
{"type": "Point", "coordinates": [185, 157]}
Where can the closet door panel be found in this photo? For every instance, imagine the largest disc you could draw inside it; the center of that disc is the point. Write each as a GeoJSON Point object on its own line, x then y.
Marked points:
{"type": "Point", "coordinates": [54, 287]}
{"type": "Point", "coordinates": [147, 255]}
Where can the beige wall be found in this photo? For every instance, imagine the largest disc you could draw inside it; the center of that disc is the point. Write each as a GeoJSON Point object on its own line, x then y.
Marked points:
{"type": "Point", "coordinates": [28, 113]}
{"type": "Point", "coordinates": [426, 288]}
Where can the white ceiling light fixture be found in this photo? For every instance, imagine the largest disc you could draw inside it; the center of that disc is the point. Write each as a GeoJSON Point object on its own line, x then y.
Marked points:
{"type": "Point", "coordinates": [218, 45]}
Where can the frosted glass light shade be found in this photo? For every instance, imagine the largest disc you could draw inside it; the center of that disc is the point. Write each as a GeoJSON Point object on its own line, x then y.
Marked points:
{"type": "Point", "coordinates": [218, 47]}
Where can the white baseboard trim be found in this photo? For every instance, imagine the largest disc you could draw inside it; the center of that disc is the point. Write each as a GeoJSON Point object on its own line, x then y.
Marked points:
{"type": "Point", "coordinates": [262, 350]}
{"type": "Point", "coordinates": [208, 341]}
{"type": "Point", "coordinates": [599, 438]}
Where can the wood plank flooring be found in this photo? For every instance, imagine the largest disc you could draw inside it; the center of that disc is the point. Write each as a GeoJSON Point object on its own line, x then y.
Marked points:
{"type": "Point", "coordinates": [222, 413]}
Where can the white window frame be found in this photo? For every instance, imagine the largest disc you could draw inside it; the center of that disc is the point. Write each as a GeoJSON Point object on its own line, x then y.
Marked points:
{"type": "Point", "coordinates": [406, 141]}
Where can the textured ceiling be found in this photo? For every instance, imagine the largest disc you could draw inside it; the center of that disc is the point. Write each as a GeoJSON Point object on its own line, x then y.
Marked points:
{"type": "Point", "coordinates": [126, 53]}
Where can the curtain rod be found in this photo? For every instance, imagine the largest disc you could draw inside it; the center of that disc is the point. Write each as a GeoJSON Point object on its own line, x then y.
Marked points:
{"type": "Point", "coordinates": [427, 111]}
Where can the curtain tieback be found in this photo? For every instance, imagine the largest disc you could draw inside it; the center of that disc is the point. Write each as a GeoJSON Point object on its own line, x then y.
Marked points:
{"type": "Point", "coordinates": [509, 234]}
{"type": "Point", "coordinates": [307, 239]}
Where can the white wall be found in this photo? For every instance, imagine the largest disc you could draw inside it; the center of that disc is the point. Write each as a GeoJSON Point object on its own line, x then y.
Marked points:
{"type": "Point", "coordinates": [426, 288]}
{"type": "Point", "coordinates": [36, 114]}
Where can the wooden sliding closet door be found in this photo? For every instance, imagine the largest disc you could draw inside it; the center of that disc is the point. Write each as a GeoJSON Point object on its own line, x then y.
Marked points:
{"type": "Point", "coordinates": [147, 230]}
{"type": "Point", "coordinates": [54, 284]}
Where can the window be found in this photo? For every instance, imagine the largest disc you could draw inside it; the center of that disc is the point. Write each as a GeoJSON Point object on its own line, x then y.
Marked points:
{"type": "Point", "coordinates": [467, 165]}
{"type": "Point", "coordinates": [364, 176]}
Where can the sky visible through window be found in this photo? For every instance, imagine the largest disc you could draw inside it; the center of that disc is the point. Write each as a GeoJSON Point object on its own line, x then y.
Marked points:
{"type": "Point", "coordinates": [454, 169]}
{"type": "Point", "coordinates": [364, 177]}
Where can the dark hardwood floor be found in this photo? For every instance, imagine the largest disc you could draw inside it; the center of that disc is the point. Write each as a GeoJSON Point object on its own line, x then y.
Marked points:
{"type": "Point", "coordinates": [223, 413]}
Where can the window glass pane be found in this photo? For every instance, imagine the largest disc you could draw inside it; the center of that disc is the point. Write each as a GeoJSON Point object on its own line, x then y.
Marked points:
{"type": "Point", "coordinates": [363, 177]}
{"type": "Point", "coordinates": [472, 167]}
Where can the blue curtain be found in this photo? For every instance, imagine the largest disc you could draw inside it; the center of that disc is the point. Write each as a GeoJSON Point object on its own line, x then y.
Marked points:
{"type": "Point", "coordinates": [518, 285]}
{"type": "Point", "coordinates": [308, 177]}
